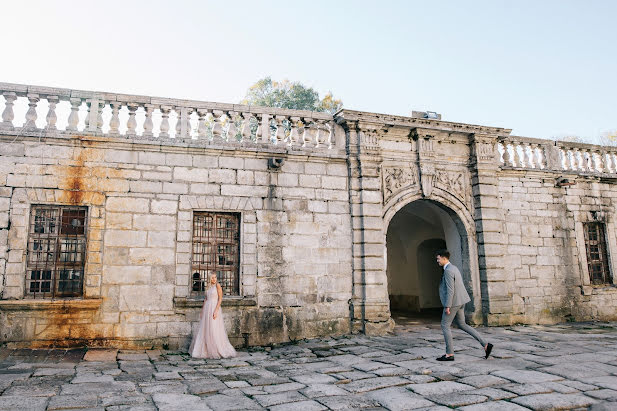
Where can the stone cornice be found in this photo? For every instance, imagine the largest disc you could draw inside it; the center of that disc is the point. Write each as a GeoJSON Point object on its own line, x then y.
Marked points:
{"type": "Point", "coordinates": [244, 149]}
{"type": "Point", "coordinates": [401, 121]}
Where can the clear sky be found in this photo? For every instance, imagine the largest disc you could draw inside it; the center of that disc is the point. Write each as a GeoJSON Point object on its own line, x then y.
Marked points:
{"type": "Point", "coordinates": [542, 68]}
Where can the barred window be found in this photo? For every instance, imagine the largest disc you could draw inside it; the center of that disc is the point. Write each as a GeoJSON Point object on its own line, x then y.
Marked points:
{"type": "Point", "coordinates": [56, 251]}
{"type": "Point", "coordinates": [216, 250]}
{"type": "Point", "coordinates": [597, 257]}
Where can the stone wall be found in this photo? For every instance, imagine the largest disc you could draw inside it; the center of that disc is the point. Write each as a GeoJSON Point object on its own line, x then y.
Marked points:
{"type": "Point", "coordinates": [545, 263]}
{"type": "Point", "coordinates": [313, 248]}
{"type": "Point", "coordinates": [295, 236]}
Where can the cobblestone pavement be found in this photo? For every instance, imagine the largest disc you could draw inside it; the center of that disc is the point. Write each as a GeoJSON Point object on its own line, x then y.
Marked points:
{"type": "Point", "coordinates": [572, 366]}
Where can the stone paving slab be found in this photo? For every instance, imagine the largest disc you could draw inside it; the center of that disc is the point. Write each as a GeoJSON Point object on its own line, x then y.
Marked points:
{"type": "Point", "coordinates": [101, 355]}
{"type": "Point", "coordinates": [566, 366]}
{"type": "Point", "coordinates": [398, 398]}
{"type": "Point", "coordinates": [554, 401]}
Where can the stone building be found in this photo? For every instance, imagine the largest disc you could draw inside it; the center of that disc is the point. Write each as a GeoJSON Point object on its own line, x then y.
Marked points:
{"type": "Point", "coordinates": [110, 220]}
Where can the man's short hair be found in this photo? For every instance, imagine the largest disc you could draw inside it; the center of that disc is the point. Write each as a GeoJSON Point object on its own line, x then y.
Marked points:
{"type": "Point", "coordinates": [443, 252]}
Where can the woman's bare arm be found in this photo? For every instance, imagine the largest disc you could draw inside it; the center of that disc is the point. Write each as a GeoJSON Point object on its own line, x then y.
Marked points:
{"type": "Point", "coordinates": [219, 291]}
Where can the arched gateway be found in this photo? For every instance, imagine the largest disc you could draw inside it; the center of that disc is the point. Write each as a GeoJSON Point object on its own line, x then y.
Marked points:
{"type": "Point", "coordinates": [413, 190]}
{"type": "Point", "coordinates": [415, 231]}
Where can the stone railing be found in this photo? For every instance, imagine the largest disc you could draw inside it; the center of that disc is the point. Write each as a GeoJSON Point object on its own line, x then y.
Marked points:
{"type": "Point", "coordinates": [524, 152]}
{"type": "Point", "coordinates": [528, 153]}
{"type": "Point", "coordinates": [142, 118]}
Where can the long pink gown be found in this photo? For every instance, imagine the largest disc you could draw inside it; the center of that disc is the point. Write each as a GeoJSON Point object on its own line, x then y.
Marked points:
{"type": "Point", "coordinates": [210, 340]}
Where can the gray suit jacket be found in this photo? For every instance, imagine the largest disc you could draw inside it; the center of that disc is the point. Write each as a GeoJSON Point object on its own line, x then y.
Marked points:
{"type": "Point", "coordinates": [452, 292]}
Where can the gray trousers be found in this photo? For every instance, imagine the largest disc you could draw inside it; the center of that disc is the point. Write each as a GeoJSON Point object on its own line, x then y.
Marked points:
{"type": "Point", "coordinates": [457, 314]}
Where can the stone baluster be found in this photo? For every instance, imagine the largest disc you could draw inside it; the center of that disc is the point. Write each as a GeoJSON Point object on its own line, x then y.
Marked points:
{"type": "Point", "coordinates": [183, 123]}
{"type": "Point", "coordinates": [589, 163]}
{"type": "Point", "coordinates": [517, 156]}
{"type": "Point", "coordinates": [114, 122]}
{"type": "Point", "coordinates": [164, 128]}
{"type": "Point", "coordinates": [87, 118]}
{"type": "Point", "coordinates": [74, 116]}
{"type": "Point", "coordinates": [232, 130]}
{"type": "Point", "coordinates": [609, 162]}
{"type": "Point", "coordinates": [280, 130]}
{"type": "Point", "coordinates": [94, 115]}
{"type": "Point", "coordinates": [51, 117]}
{"type": "Point", "coordinates": [570, 159]}
{"type": "Point", "coordinates": [598, 164]}
{"type": "Point", "coordinates": [534, 158]}
{"type": "Point", "coordinates": [507, 159]}
{"type": "Point", "coordinates": [202, 128]}
{"type": "Point", "coordinates": [294, 135]}
{"type": "Point", "coordinates": [178, 121]}
{"type": "Point", "coordinates": [264, 129]}
{"type": "Point", "coordinates": [307, 134]}
{"type": "Point", "coordinates": [217, 128]}
{"type": "Point", "coordinates": [562, 156]}
{"type": "Point", "coordinates": [148, 124]}
{"type": "Point", "coordinates": [331, 141]}
{"type": "Point", "coordinates": [246, 132]}
{"type": "Point", "coordinates": [527, 157]}
{"type": "Point", "coordinates": [7, 114]}
{"type": "Point", "coordinates": [543, 154]}
{"type": "Point", "coordinates": [131, 124]}
{"type": "Point", "coordinates": [580, 160]}
{"type": "Point", "coordinates": [320, 135]}
{"type": "Point", "coordinates": [31, 114]}
{"type": "Point", "coordinates": [99, 117]}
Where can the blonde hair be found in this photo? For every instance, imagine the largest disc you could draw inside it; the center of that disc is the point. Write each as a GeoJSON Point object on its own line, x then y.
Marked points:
{"type": "Point", "coordinates": [208, 284]}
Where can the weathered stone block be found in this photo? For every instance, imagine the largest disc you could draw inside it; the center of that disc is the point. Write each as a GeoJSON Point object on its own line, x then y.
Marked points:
{"type": "Point", "coordinates": [191, 174]}
{"type": "Point", "coordinates": [124, 204]}
{"type": "Point", "coordinates": [152, 256]}
{"type": "Point", "coordinates": [153, 222]}
{"type": "Point", "coordinates": [124, 274]}
{"type": "Point", "coordinates": [125, 238]}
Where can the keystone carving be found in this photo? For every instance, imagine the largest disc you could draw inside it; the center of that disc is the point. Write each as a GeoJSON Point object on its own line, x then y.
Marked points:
{"type": "Point", "coordinates": [427, 173]}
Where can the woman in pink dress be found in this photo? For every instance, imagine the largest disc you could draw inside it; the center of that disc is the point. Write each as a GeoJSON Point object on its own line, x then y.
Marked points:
{"type": "Point", "coordinates": [211, 340]}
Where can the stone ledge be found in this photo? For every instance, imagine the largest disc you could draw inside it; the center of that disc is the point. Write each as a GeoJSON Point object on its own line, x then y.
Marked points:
{"type": "Point", "coordinates": [598, 289]}
{"type": "Point", "coordinates": [182, 302]}
{"type": "Point", "coordinates": [47, 305]}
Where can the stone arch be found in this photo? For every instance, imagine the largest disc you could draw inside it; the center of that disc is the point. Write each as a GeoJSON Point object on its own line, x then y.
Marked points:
{"type": "Point", "coordinates": [461, 220]}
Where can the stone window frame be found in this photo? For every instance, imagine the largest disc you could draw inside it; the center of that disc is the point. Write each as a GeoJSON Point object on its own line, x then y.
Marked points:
{"type": "Point", "coordinates": [581, 218]}
{"type": "Point", "coordinates": [22, 200]}
{"type": "Point", "coordinates": [215, 241]}
{"type": "Point", "coordinates": [247, 210]}
{"type": "Point", "coordinates": [54, 266]}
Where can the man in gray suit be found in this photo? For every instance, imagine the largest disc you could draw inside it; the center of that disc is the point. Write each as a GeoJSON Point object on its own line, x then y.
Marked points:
{"type": "Point", "coordinates": [453, 296]}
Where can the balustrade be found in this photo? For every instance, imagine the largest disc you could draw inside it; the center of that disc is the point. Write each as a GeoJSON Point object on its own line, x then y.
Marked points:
{"type": "Point", "coordinates": [528, 153]}
{"type": "Point", "coordinates": [119, 115]}
{"type": "Point", "coordinates": [587, 158]}
{"type": "Point", "coordinates": [523, 153]}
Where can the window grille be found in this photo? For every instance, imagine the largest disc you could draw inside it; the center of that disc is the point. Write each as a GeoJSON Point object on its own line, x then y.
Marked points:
{"type": "Point", "coordinates": [56, 251]}
{"type": "Point", "coordinates": [216, 250]}
{"type": "Point", "coordinates": [597, 257]}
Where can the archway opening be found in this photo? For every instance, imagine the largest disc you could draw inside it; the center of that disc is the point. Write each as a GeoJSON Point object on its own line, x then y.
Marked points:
{"type": "Point", "coordinates": [414, 234]}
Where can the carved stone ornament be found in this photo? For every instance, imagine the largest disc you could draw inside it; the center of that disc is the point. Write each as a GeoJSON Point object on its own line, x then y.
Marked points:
{"type": "Point", "coordinates": [454, 182]}
{"type": "Point", "coordinates": [486, 151]}
{"type": "Point", "coordinates": [396, 179]}
{"type": "Point", "coordinates": [427, 174]}
{"type": "Point", "coordinates": [369, 140]}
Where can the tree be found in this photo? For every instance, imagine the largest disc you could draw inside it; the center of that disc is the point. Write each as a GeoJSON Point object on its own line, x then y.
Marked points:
{"type": "Point", "coordinates": [291, 95]}
{"type": "Point", "coordinates": [609, 138]}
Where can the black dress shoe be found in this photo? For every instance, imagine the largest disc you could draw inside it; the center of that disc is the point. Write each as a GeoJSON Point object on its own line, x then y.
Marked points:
{"type": "Point", "coordinates": [489, 348]}
{"type": "Point", "coordinates": [446, 358]}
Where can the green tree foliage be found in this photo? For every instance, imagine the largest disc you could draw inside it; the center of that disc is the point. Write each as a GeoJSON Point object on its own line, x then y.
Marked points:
{"type": "Point", "coordinates": [291, 95]}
